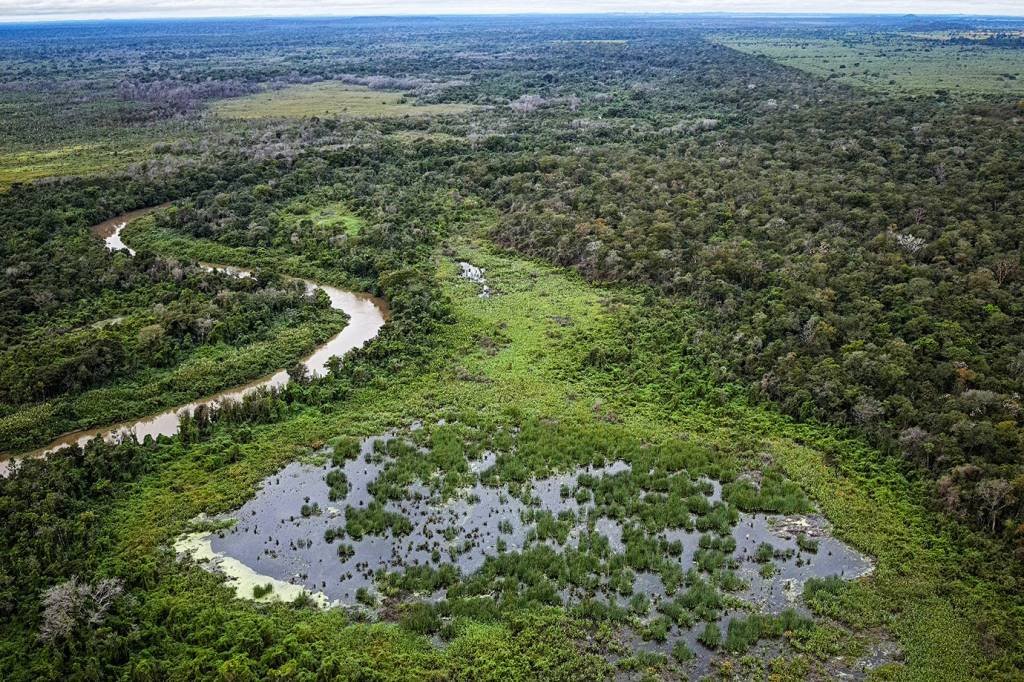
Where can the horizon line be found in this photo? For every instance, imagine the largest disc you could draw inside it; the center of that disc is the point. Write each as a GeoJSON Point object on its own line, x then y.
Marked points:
{"type": "Point", "coordinates": [49, 19]}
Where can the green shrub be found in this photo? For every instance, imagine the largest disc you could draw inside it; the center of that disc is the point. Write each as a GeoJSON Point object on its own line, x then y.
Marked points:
{"type": "Point", "coordinates": [807, 544]}
{"type": "Point", "coordinates": [742, 633]}
{"type": "Point", "coordinates": [711, 636]}
{"type": "Point", "coordinates": [365, 597]}
{"type": "Point", "coordinates": [682, 653]}
{"type": "Point", "coordinates": [345, 447]}
{"type": "Point", "coordinates": [765, 552]}
{"type": "Point", "coordinates": [657, 629]}
{"type": "Point", "coordinates": [640, 603]}
{"type": "Point", "coordinates": [420, 618]}
{"type": "Point", "coordinates": [774, 495]}
{"type": "Point", "coordinates": [679, 614]}
{"type": "Point", "coordinates": [641, 660]}
{"type": "Point", "coordinates": [375, 520]}
{"type": "Point", "coordinates": [337, 483]}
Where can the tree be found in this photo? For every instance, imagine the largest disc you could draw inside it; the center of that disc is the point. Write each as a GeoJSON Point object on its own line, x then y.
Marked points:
{"type": "Point", "coordinates": [995, 495]}
{"type": "Point", "coordinates": [917, 445]}
{"type": "Point", "coordinates": [72, 604]}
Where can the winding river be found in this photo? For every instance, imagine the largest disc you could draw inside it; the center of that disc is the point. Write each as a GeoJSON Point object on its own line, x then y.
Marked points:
{"type": "Point", "coordinates": [367, 314]}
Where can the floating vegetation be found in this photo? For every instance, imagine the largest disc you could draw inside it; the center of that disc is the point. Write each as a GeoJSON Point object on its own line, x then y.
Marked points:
{"type": "Point", "coordinates": [435, 519]}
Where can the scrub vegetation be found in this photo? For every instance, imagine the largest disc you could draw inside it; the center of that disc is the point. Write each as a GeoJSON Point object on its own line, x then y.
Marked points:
{"type": "Point", "coordinates": [705, 290]}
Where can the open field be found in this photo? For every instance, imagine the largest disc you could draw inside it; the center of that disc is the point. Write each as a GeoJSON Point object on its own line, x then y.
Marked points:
{"type": "Point", "coordinates": [318, 217]}
{"type": "Point", "coordinates": [897, 64]}
{"type": "Point", "coordinates": [26, 166]}
{"type": "Point", "coordinates": [330, 99]}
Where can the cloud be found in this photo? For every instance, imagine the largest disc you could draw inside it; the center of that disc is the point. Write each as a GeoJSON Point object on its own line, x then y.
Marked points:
{"type": "Point", "coordinates": [21, 10]}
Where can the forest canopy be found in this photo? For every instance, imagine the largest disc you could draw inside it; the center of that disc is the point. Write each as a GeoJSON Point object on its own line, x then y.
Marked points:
{"type": "Point", "coordinates": [701, 268]}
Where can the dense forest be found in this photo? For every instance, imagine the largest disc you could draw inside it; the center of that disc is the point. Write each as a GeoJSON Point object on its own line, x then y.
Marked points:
{"type": "Point", "coordinates": [766, 288]}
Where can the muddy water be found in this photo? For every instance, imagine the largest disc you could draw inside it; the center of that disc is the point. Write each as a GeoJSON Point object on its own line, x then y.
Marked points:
{"type": "Point", "coordinates": [367, 314]}
{"type": "Point", "coordinates": [110, 230]}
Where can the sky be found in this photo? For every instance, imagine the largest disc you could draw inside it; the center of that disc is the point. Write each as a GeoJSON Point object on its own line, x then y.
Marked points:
{"type": "Point", "coordinates": [32, 10]}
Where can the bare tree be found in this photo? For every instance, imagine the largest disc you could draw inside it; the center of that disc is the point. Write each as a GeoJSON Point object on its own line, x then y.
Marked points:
{"type": "Point", "coordinates": [1004, 269]}
{"type": "Point", "coordinates": [910, 243]}
{"type": "Point", "coordinates": [996, 494]}
{"type": "Point", "coordinates": [527, 103]}
{"type": "Point", "coordinates": [867, 410]}
{"type": "Point", "coordinates": [70, 604]}
{"type": "Point", "coordinates": [916, 444]}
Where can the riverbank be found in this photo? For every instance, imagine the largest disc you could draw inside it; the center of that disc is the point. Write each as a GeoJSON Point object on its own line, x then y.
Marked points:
{"type": "Point", "coordinates": [366, 315]}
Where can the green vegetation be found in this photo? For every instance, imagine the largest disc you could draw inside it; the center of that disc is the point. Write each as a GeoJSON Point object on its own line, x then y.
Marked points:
{"type": "Point", "coordinates": [25, 166]}
{"type": "Point", "coordinates": [744, 632]}
{"type": "Point", "coordinates": [317, 217]}
{"type": "Point", "coordinates": [896, 63]}
{"type": "Point", "coordinates": [682, 653]}
{"type": "Point", "coordinates": [710, 636]}
{"type": "Point", "coordinates": [374, 520]}
{"type": "Point", "coordinates": [260, 591]}
{"type": "Point", "coordinates": [785, 298]}
{"type": "Point", "coordinates": [330, 99]}
{"type": "Point", "coordinates": [118, 337]}
{"type": "Point", "coordinates": [806, 544]}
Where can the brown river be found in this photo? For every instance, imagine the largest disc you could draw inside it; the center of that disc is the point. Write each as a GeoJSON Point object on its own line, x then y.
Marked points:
{"type": "Point", "coordinates": [367, 314]}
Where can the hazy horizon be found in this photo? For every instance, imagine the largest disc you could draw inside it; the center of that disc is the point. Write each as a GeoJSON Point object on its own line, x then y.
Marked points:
{"type": "Point", "coordinates": [29, 11]}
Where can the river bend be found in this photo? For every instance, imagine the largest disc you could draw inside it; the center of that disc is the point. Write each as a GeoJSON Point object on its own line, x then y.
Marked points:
{"type": "Point", "coordinates": [367, 314]}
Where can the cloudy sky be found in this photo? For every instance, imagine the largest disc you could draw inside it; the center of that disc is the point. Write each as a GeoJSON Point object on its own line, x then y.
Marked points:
{"type": "Point", "coordinates": [28, 10]}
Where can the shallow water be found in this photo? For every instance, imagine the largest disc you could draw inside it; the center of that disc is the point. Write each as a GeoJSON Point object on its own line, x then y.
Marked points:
{"type": "Point", "coordinates": [110, 230]}
{"type": "Point", "coordinates": [272, 537]}
{"type": "Point", "coordinates": [367, 314]}
{"type": "Point", "coordinates": [272, 534]}
{"type": "Point", "coordinates": [833, 558]}
{"type": "Point", "coordinates": [272, 542]}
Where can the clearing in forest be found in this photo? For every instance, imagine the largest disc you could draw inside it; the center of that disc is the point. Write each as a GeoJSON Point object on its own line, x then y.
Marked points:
{"type": "Point", "coordinates": [81, 159]}
{"type": "Point", "coordinates": [330, 98]}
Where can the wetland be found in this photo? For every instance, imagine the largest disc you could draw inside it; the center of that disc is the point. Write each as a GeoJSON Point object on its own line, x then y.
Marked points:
{"type": "Point", "coordinates": [512, 348]}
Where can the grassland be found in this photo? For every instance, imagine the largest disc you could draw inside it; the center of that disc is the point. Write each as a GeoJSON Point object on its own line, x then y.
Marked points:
{"type": "Point", "coordinates": [74, 134]}
{"type": "Point", "coordinates": [320, 216]}
{"type": "Point", "coordinates": [330, 98]}
{"type": "Point", "coordinates": [896, 64]}
{"type": "Point", "coordinates": [78, 160]}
